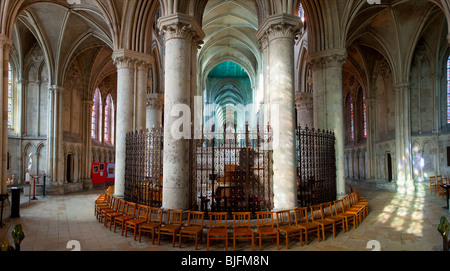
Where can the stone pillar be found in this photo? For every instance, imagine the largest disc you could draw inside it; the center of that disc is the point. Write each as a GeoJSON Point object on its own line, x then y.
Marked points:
{"type": "Point", "coordinates": [125, 106]}
{"type": "Point", "coordinates": [178, 31]}
{"type": "Point", "coordinates": [280, 31]}
{"type": "Point", "coordinates": [132, 68]}
{"type": "Point", "coordinates": [304, 106]}
{"type": "Point", "coordinates": [5, 48]}
{"type": "Point", "coordinates": [55, 136]}
{"type": "Point", "coordinates": [370, 122]}
{"type": "Point", "coordinates": [328, 103]}
{"type": "Point", "coordinates": [141, 94]}
{"type": "Point", "coordinates": [87, 142]}
{"type": "Point", "coordinates": [155, 106]}
{"type": "Point", "coordinates": [405, 181]}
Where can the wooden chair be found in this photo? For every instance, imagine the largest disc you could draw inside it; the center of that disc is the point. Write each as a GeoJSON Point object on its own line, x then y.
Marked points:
{"type": "Point", "coordinates": [328, 214]}
{"type": "Point", "coordinates": [356, 201]}
{"type": "Point", "coordinates": [141, 218]}
{"type": "Point", "coordinates": [153, 223]}
{"type": "Point", "coordinates": [172, 226]}
{"type": "Point", "coordinates": [285, 227]}
{"type": "Point", "coordinates": [433, 185]}
{"type": "Point", "coordinates": [242, 228]}
{"type": "Point", "coordinates": [111, 215]}
{"type": "Point", "coordinates": [317, 216]}
{"type": "Point", "coordinates": [348, 217]}
{"type": "Point", "coordinates": [352, 210]}
{"type": "Point", "coordinates": [217, 228]}
{"type": "Point", "coordinates": [128, 214]}
{"type": "Point", "coordinates": [265, 227]}
{"type": "Point", "coordinates": [194, 227]}
{"type": "Point", "coordinates": [110, 206]}
{"type": "Point", "coordinates": [439, 183]}
{"type": "Point", "coordinates": [102, 201]}
{"type": "Point", "coordinates": [302, 221]}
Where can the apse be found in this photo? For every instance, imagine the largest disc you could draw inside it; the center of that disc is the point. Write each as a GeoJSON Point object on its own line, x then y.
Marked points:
{"type": "Point", "coordinates": [229, 98]}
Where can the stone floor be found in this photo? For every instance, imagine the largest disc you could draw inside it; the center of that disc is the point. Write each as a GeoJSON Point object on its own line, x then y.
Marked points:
{"type": "Point", "coordinates": [397, 222]}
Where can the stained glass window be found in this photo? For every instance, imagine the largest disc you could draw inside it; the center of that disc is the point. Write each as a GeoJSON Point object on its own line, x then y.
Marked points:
{"type": "Point", "coordinates": [352, 120]}
{"type": "Point", "coordinates": [364, 108]}
{"type": "Point", "coordinates": [448, 90]}
{"type": "Point", "coordinates": [10, 96]}
{"type": "Point", "coordinates": [108, 119]}
{"type": "Point", "coordinates": [95, 114]}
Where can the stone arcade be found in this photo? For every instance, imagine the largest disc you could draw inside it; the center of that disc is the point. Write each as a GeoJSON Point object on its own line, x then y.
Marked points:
{"type": "Point", "coordinates": [79, 75]}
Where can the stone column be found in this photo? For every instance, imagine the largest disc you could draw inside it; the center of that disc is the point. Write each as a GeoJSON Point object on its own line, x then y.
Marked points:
{"type": "Point", "coordinates": [405, 181]}
{"type": "Point", "coordinates": [141, 94]}
{"type": "Point", "coordinates": [155, 106]}
{"type": "Point", "coordinates": [280, 31]}
{"type": "Point", "coordinates": [125, 107]}
{"type": "Point", "coordinates": [370, 122]}
{"type": "Point", "coordinates": [132, 69]}
{"type": "Point", "coordinates": [328, 103]}
{"type": "Point", "coordinates": [5, 48]}
{"type": "Point", "coordinates": [178, 31]}
{"type": "Point", "coordinates": [304, 106]}
{"type": "Point", "coordinates": [55, 135]}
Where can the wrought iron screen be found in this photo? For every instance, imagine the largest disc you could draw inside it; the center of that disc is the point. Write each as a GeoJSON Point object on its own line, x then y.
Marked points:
{"type": "Point", "coordinates": [316, 166]}
{"type": "Point", "coordinates": [232, 171]}
{"type": "Point", "coordinates": [144, 167]}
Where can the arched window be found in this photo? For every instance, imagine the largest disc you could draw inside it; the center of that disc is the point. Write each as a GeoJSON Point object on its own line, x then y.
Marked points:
{"type": "Point", "coordinates": [363, 109]}
{"type": "Point", "coordinates": [96, 116]}
{"type": "Point", "coordinates": [10, 96]}
{"type": "Point", "coordinates": [350, 118]}
{"type": "Point", "coordinates": [109, 120]}
{"type": "Point", "coordinates": [302, 16]}
{"type": "Point", "coordinates": [448, 90]}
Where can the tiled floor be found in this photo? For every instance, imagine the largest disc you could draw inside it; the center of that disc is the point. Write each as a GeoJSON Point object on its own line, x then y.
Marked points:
{"type": "Point", "coordinates": [398, 222]}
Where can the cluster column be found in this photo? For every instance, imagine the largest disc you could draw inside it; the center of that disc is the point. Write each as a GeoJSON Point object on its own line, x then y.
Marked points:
{"type": "Point", "coordinates": [5, 48]}
{"type": "Point", "coordinates": [181, 33]}
{"type": "Point", "coordinates": [280, 31]}
{"type": "Point", "coordinates": [132, 72]}
{"type": "Point", "coordinates": [328, 103]}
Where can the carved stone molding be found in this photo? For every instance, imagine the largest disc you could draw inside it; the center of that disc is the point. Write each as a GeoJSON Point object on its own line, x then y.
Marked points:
{"type": "Point", "coordinates": [181, 26]}
{"type": "Point", "coordinates": [279, 26]}
{"type": "Point", "coordinates": [327, 59]}
{"type": "Point", "coordinates": [304, 101]}
{"type": "Point", "coordinates": [127, 59]}
{"type": "Point", "coordinates": [155, 101]}
{"type": "Point", "coordinates": [5, 43]}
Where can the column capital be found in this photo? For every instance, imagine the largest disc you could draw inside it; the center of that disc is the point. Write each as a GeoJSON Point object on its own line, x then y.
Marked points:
{"type": "Point", "coordinates": [181, 26]}
{"type": "Point", "coordinates": [55, 88]}
{"type": "Point", "coordinates": [303, 101]}
{"type": "Point", "coordinates": [327, 58]}
{"type": "Point", "coordinates": [401, 86]}
{"type": "Point", "coordinates": [279, 26]}
{"type": "Point", "coordinates": [5, 42]}
{"type": "Point", "coordinates": [124, 58]}
{"type": "Point", "coordinates": [155, 101]}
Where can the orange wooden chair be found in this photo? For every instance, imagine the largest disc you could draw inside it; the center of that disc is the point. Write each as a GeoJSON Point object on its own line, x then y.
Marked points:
{"type": "Point", "coordinates": [265, 227]}
{"type": "Point", "coordinates": [128, 214]}
{"type": "Point", "coordinates": [194, 227]}
{"type": "Point", "coordinates": [302, 221]}
{"type": "Point", "coordinates": [339, 210]}
{"type": "Point", "coordinates": [109, 217]}
{"type": "Point", "coordinates": [141, 218]}
{"type": "Point", "coordinates": [242, 228]}
{"type": "Point", "coordinates": [317, 216]}
{"type": "Point", "coordinates": [111, 206]}
{"type": "Point", "coordinates": [433, 185]}
{"type": "Point", "coordinates": [153, 223]}
{"type": "Point", "coordinates": [329, 214]}
{"type": "Point", "coordinates": [286, 228]}
{"type": "Point", "coordinates": [172, 226]}
{"type": "Point", "coordinates": [352, 210]}
{"type": "Point", "coordinates": [217, 228]}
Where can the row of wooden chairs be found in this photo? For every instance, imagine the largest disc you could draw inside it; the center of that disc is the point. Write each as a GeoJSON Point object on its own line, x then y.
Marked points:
{"type": "Point", "coordinates": [312, 220]}
{"type": "Point", "coordinates": [436, 183]}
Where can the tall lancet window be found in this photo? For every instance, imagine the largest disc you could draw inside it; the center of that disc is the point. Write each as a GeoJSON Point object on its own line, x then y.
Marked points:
{"type": "Point", "coordinates": [109, 120]}
{"type": "Point", "coordinates": [10, 96]}
{"type": "Point", "coordinates": [96, 115]}
{"type": "Point", "coordinates": [350, 118]}
{"type": "Point", "coordinates": [448, 90]}
{"type": "Point", "coordinates": [364, 113]}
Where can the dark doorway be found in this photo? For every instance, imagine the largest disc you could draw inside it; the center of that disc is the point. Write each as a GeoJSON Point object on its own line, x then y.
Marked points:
{"type": "Point", "coordinates": [68, 168]}
{"type": "Point", "coordinates": [389, 166]}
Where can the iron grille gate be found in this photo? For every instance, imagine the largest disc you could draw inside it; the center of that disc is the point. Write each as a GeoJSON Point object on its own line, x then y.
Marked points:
{"type": "Point", "coordinates": [143, 167]}
{"type": "Point", "coordinates": [232, 171]}
{"type": "Point", "coordinates": [316, 166]}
